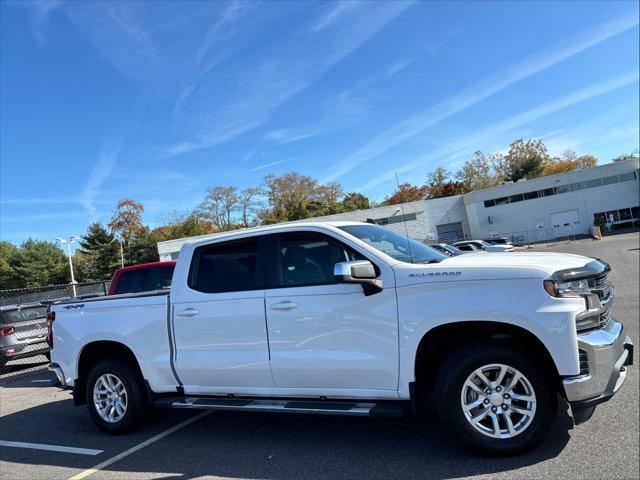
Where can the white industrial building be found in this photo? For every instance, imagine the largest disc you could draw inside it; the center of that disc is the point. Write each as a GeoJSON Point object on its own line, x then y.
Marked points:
{"type": "Point", "coordinates": [527, 211]}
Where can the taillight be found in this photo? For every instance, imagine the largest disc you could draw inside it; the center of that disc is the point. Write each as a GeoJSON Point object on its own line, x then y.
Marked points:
{"type": "Point", "coordinates": [51, 317]}
{"type": "Point", "coordinates": [6, 331]}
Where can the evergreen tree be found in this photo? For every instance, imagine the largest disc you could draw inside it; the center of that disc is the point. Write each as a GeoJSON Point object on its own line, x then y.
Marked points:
{"type": "Point", "coordinates": [8, 279]}
{"type": "Point", "coordinates": [39, 263]}
{"type": "Point", "coordinates": [102, 252]}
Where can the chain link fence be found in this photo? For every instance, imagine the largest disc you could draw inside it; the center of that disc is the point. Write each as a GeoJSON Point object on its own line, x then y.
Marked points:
{"type": "Point", "coordinates": [52, 293]}
{"type": "Point", "coordinates": [23, 344]}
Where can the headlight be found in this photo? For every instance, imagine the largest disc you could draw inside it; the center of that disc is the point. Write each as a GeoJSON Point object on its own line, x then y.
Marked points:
{"type": "Point", "coordinates": [574, 288]}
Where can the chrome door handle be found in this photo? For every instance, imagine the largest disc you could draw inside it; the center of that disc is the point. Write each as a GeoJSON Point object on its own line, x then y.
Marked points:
{"type": "Point", "coordinates": [283, 306]}
{"type": "Point", "coordinates": [188, 312]}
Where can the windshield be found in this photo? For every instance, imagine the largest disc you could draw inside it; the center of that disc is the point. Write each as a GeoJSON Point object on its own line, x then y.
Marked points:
{"type": "Point", "coordinates": [393, 244]}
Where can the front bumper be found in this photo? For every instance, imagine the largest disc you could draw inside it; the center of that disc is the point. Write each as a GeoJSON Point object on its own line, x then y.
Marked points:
{"type": "Point", "coordinates": [608, 354]}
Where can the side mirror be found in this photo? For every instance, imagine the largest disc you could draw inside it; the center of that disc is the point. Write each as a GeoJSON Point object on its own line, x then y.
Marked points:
{"type": "Point", "coordinates": [358, 271]}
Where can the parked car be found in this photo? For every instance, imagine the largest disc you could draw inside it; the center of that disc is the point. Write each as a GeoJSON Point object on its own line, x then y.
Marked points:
{"type": "Point", "coordinates": [142, 278]}
{"type": "Point", "coordinates": [350, 318]}
{"type": "Point", "coordinates": [497, 240]}
{"type": "Point", "coordinates": [482, 246]}
{"type": "Point", "coordinates": [448, 250]}
{"type": "Point", "coordinates": [23, 331]}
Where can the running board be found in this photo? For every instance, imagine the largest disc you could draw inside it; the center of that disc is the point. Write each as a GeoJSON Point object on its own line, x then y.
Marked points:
{"type": "Point", "coordinates": [362, 409]}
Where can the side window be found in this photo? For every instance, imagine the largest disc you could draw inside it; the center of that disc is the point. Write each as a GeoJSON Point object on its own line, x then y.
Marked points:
{"type": "Point", "coordinates": [465, 247]}
{"type": "Point", "coordinates": [309, 259]}
{"type": "Point", "coordinates": [133, 281]}
{"type": "Point", "coordinates": [161, 278]}
{"type": "Point", "coordinates": [227, 267]}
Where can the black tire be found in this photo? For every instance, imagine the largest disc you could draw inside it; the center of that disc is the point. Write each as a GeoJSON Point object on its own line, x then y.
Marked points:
{"type": "Point", "coordinates": [137, 407]}
{"type": "Point", "coordinates": [452, 375]}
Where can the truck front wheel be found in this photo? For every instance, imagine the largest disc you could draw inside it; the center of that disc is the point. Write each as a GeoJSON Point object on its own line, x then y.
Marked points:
{"type": "Point", "coordinates": [494, 399]}
{"type": "Point", "coordinates": [115, 396]}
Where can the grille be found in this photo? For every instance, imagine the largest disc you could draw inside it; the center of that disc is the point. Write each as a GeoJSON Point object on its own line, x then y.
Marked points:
{"type": "Point", "coordinates": [584, 361]}
{"type": "Point", "coordinates": [604, 319]}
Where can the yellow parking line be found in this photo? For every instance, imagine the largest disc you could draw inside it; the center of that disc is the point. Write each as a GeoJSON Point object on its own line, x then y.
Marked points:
{"type": "Point", "coordinates": [140, 446]}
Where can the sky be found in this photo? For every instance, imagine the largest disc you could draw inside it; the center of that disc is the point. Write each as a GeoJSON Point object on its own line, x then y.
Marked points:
{"type": "Point", "coordinates": [157, 101]}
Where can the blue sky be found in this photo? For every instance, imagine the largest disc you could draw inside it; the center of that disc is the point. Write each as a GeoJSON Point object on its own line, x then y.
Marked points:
{"type": "Point", "coordinates": [157, 101]}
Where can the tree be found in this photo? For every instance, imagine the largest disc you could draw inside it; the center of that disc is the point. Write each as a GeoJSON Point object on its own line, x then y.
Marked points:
{"type": "Point", "coordinates": [248, 206]}
{"type": "Point", "coordinates": [531, 167]}
{"type": "Point", "coordinates": [438, 177]}
{"type": "Point", "coordinates": [219, 205]}
{"type": "Point", "coordinates": [569, 161]}
{"type": "Point", "coordinates": [39, 263]}
{"type": "Point", "coordinates": [480, 172]}
{"type": "Point", "coordinates": [143, 248]}
{"type": "Point", "coordinates": [447, 189]}
{"type": "Point", "coordinates": [126, 221]}
{"type": "Point", "coordinates": [102, 252]}
{"type": "Point", "coordinates": [355, 201]}
{"type": "Point", "coordinates": [635, 154]}
{"type": "Point", "coordinates": [183, 225]}
{"type": "Point", "coordinates": [8, 254]}
{"type": "Point", "coordinates": [329, 197]}
{"type": "Point", "coordinates": [526, 159]}
{"type": "Point", "coordinates": [294, 196]}
{"type": "Point", "coordinates": [407, 193]}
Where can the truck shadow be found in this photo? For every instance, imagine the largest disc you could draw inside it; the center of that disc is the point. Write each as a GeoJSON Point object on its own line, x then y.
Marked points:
{"type": "Point", "coordinates": [268, 446]}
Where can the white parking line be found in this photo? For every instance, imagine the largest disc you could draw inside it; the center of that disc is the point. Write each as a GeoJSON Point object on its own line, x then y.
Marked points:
{"type": "Point", "coordinates": [52, 448]}
{"type": "Point", "coordinates": [140, 446]}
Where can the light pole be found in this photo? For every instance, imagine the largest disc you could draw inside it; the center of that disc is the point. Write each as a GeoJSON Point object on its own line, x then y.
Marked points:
{"type": "Point", "coordinates": [68, 243]}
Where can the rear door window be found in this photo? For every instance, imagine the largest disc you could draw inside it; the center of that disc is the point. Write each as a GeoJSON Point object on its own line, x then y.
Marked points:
{"type": "Point", "coordinates": [227, 267]}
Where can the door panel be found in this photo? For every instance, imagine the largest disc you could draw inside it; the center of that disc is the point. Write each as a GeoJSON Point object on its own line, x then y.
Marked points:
{"type": "Point", "coordinates": [224, 344]}
{"type": "Point", "coordinates": [327, 335]}
{"type": "Point", "coordinates": [335, 338]}
{"type": "Point", "coordinates": [219, 320]}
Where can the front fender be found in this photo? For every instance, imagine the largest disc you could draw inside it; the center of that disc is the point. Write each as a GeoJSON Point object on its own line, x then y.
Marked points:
{"type": "Point", "coordinates": [520, 302]}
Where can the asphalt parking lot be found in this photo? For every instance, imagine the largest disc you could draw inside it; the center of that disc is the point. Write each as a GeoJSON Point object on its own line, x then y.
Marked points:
{"type": "Point", "coordinates": [186, 445]}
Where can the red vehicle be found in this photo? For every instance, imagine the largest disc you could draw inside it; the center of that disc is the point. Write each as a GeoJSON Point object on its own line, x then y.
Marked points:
{"type": "Point", "coordinates": [142, 278]}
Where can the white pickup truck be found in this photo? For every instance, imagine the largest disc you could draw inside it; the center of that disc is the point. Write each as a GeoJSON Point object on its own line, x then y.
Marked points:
{"type": "Point", "coordinates": [351, 319]}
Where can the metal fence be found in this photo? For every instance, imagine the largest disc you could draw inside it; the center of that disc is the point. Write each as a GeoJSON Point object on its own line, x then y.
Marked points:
{"type": "Point", "coordinates": [521, 238]}
{"type": "Point", "coordinates": [52, 292]}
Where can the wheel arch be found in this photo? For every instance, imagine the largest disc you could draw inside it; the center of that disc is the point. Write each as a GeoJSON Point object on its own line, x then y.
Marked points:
{"type": "Point", "coordinates": [95, 351]}
{"type": "Point", "coordinates": [438, 342]}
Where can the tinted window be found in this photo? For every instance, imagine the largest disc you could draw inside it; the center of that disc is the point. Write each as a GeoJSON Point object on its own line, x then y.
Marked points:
{"type": "Point", "coordinates": [547, 192]}
{"type": "Point", "coordinates": [309, 259]}
{"type": "Point", "coordinates": [228, 267]}
{"type": "Point", "coordinates": [465, 248]}
{"type": "Point", "coordinates": [594, 183]}
{"type": "Point", "coordinates": [625, 177]}
{"type": "Point", "coordinates": [516, 198]}
{"type": "Point", "coordinates": [502, 201]}
{"type": "Point", "coordinates": [160, 277]}
{"type": "Point", "coordinates": [530, 195]}
{"type": "Point", "coordinates": [610, 180]}
{"type": "Point", "coordinates": [489, 203]}
{"type": "Point", "coordinates": [562, 189]}
{"type": "Point", "coordinates": [613, 214]}
{"type": "Point", "coordinates": [133, 281]}
{"type": "Point", "coordinates": [625, 213]}
{"type": "Point", "coordinates": [635, 211]}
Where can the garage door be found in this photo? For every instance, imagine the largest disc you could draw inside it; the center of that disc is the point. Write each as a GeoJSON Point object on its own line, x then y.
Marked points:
{"type": "Point", "coordinates": [566, 224]}
{"type": "Point", "coordinates": [450, 232]}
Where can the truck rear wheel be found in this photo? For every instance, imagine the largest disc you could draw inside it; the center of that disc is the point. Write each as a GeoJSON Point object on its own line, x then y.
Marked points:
{"type": "Point", "coordinates": [494, 399]}
{"type": "Point", "coordinates": [115, 396]}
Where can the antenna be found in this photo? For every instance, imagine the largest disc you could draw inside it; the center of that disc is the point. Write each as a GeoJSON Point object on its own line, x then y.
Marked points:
{"type": "Point", "coordinates": [404, 221]}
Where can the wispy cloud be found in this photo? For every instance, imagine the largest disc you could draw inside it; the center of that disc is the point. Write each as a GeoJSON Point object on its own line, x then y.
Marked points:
{"type": "Point", "coordinates": [397, 66]}
{"type": "Point", "coordinates": [40, 10]}
{"type": "Point", "coordinates": [100, 172]}
{"type": "Point", "coordinates": [289, 68]}
{"type": "Point", "coordinates": [268, 165]}
{"type": "Point", "coordinates": [117, 30]}
{"type": "Point", "coordinates": [474, 94]}
{"type": "Point", "coordinates": [233, 11]}
{"type": "Point", "coordinates": [335, 14]}
{"type": "Point", "coordinates": [43, 216]}
{"type": "Point", "coordinates": [464, 145]}
{"type": "Point", "coordinates": [288, 135]}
